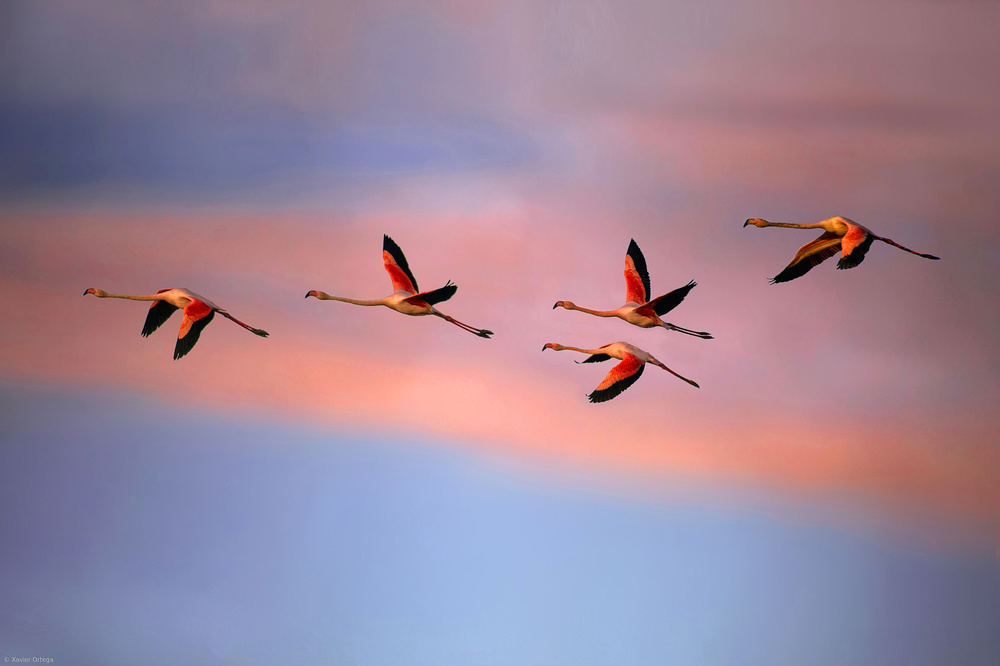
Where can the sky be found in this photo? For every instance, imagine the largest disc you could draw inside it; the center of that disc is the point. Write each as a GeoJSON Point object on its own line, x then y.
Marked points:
{"type": "Point", "coordinates": [364, 487]}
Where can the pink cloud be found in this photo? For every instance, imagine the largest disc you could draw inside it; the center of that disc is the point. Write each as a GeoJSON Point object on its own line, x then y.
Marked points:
{"type": "Point", "coordinates": [766, 413]}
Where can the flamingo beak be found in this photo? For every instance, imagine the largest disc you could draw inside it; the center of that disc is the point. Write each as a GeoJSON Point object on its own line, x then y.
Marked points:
{"type": "Point", "coordinates": [746, 223]}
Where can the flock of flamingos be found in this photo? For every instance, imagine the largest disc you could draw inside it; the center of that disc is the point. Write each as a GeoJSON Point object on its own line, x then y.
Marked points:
{"type": "Point", "coordinates": [839, 235]}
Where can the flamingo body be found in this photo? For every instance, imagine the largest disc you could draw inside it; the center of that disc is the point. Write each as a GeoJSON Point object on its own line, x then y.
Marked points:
{"type": "Point", "coordinates": [633, 362]}
{"type": "Point", "coordinates": [407, 298]}
{"type": "Point", "coordinates": [639, 309]}
{"type": "Point", "coordinates": [839, 235]}
{"type": "Point", "coordinates": [198, 312]}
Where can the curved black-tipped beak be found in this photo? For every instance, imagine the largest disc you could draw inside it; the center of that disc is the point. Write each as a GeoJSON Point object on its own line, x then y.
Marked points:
{"type": "Point", "coordinates": [746, 223]}
{"type": "Point", "coordinates": [555, 306]}
{"type": "Point", "coordinates": [544, 347]}
{"type": "Point", "coordinates": [85, 293]}
{"type": "Point", "coordinates": [307, 295]}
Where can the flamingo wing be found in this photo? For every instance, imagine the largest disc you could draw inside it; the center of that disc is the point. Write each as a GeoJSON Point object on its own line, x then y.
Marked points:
{"type": "Point", "coordinates": [854, 246]}
{"type": "Point", "coordinates": [661, 305]}
{"type": "Point", "coordinates": [399, 271]}
{"type": "Point", "coordinates": [636, 276]}
{"type": "Point", "coordinates": [435, 296]}
{"type": "Point", "coordinates": [158, 313]}
{"type": "Point", "coordinates": [596, 358]}
{"type": "Point", "coordinates": [620, 378]}
{"type": "Point", "coordinates": [197, 316]}
{"type": "Point", "coordinates": [811, 254]}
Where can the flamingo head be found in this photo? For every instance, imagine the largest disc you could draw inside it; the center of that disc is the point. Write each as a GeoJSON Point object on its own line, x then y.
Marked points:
{"type": "Point", "coordinates": [553, 345]}
{"type": "Point", "coordinates": [96, 292]}
{"type": "Point", "coordinates": [564, 304]}
{"type": "Point", "coordinates": [757, 222]}
{"type": "Point", "coordinates": [313, 293]}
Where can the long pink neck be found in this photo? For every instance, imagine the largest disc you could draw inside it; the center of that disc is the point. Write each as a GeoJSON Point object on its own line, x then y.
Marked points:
{"type": "Point", "coordinates": [154, 297]}
{"type": "Point", "coordinates": [328, 297]}
{"type": "Point", "coordinates": [597, 313]}
{"type": "Point", "coordinates": [815, 225]}
{"type": "Point", "coordinates": [577, 349]}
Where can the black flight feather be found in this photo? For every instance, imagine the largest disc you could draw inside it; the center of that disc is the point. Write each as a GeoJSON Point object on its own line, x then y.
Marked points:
{"type": "Point", "coordinates": [802, 267]}
{"type": "Point", "coordinates": [186, 344]}
{"type": "Point", "coordinates": [857, 255]}
{"type": "Point", "coordinates": [671, 300]}
{"type": "Point", "coordinates": [596, 358]}
{"type": "Point", "coordinates": [440, 295]}
{"type": "Point", "coordinates": [158, 313]}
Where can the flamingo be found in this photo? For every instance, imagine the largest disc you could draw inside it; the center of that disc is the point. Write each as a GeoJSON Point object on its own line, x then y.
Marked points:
{"type": "Point", "coordinates": [639, 309]}
{"type": "Point", "coordinates": [198, 312]}
{"type": "Point", "coordinates": [406, 297]}
{"type": "Point", "coordinates": [623, 375]}
{"type": "Point", "coordinates": [839, 235]}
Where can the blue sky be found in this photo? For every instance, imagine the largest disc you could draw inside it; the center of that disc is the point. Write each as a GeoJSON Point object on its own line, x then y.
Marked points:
{"type": "Point", "coordinates": [131, 536]}
{"type": "Point", "coordinates": [182, 155]}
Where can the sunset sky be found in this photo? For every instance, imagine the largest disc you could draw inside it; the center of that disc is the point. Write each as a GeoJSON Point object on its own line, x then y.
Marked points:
{"type": "Point", "coordinates": [364, 487]}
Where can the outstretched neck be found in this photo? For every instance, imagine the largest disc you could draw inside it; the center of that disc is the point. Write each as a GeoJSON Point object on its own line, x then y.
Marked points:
{"type": "Point", "coordinates": [577, 349]}
{"type": "Point", "coordinates": [596, 313]}
{"type": "Point", "coordinates": [152, 297]}
{"type": "Point", "coordinates": [815, 225]}
{"type": "Point", "coordinates": [327, 297]}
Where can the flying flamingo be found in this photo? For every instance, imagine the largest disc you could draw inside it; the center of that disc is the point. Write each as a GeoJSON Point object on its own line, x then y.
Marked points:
{"type": "Point", "coordinates": [639, 309]}
{"type": "Point", "coordinates": [406, 297]}
{"type": "Point", "coordinates": [198, 312]}
{"type": "Point", "coordinates": [623, 375]}
{"type": "Point", "coordinates": [839, 235]}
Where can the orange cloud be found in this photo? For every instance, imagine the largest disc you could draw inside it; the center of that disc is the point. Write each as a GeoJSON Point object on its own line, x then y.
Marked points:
{"type": "Point", "coordinates": [348, 367]}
